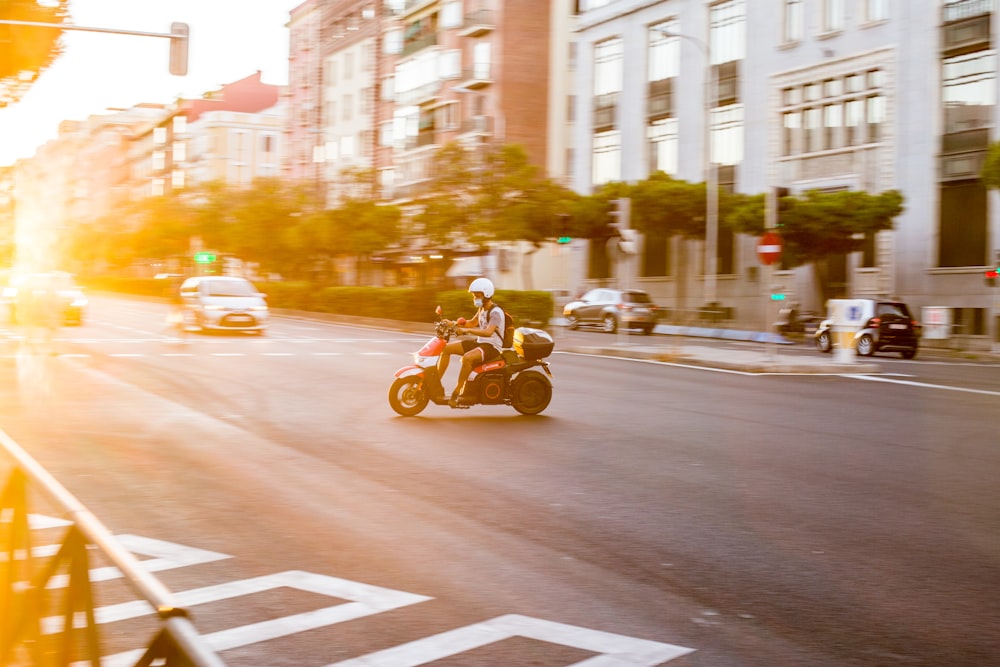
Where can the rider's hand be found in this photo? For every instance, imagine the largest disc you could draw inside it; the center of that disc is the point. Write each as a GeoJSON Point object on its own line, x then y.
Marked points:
{"type": "Point", "coordinates": [460, 332]}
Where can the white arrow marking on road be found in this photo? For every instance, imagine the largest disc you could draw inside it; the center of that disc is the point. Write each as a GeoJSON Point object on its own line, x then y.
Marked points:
{"type": "Point", "coordinates": [615, 650]}
{"type": "Point", "coordinates": [769, 248]}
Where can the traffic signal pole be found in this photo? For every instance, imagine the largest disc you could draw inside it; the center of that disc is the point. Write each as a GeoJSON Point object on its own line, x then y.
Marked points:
{"type": "Point", "coordinates": [178, 36]}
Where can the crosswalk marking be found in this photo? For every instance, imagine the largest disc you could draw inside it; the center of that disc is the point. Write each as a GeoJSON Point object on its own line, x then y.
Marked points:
{"type": "Point", "coordinates": [164, 556]}
{"type": "Point", "coordinates": [362, 600]}
{"type": "Point", "coordinates": [366, 600]}
{"type": "Point", "coordinates": [614, 650]}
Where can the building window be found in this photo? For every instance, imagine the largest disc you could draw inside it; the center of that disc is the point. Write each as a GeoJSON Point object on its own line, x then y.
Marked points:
{"type": "Point", "coordinates": [812, 130]}
{"type": "Point", "coordinates": [159, 135]}
{"type": "Point", "coordinates": [875, 115]}
{"type": "Point", "coordinates": [393, 42]}
{"type": "Point", "coordinates": [481, 56]}
{"type": "Point", "coordinates": [662, 137]}
{"type": "Point", "coordinates": [833, 15]}
{"type": "Point", "coordinates": [832, 122]}
{"type": "Point", "coordinates": [792, 25]}
{"type": "Point", "coordinates": [159, 160]}
{"type": "Point", "coordinates": [727, 134]}
{"type": "Point", "coordinates": [962, 235]}
{"type": "Point", "coordinates": [853, 118]}
{"type": "Point", "coordinates": [969, 91]}
{"type": "Point", "coordinates": [792, 128]}
{"type": "Point", "coordinates": [837, 112]}
{"type": "Point", "coordinates": [664, 52]}
{"type": "Point", "coordinates": [180, 151]}
{"type": "Point", "coordinates": [606, 157]}
{"type": "Point", "coordinates": [608, 60]}
{"type": "Point", "coordinates": [267, 144]}
{"type": "Point", "coordinates": [347, 107]}
{"type": "Point", "coordinates": [451, 14]}
{"type": "Point", "coordinates": [727, 36]}
{"type": "Point", "coordinates": [180, 124]}
{"type": "Point", "coordinates": [876, 10]}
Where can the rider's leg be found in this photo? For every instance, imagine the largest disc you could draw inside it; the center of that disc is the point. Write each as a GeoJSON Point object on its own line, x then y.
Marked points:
{"type": "Point", "coordinates": [470, 360]}
{"type": "Point", "coordinates": [454, 347]}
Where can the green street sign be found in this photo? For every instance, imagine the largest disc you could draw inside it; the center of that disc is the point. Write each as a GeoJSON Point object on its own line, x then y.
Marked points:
{"type": "Point", "coordinates": [204, 257]}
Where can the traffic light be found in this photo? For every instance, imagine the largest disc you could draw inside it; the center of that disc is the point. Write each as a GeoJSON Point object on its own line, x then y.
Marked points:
{"type": "Point", "coordinates": [179, 33]}
{"type": "Point", "coordinates": [563, 234]}
{"type": "Point", "coordinates": [621, 213]}
{"type": "Point", "coordinates": [781, 203]}
{"type": "Point", "coordinates": [777, 293]}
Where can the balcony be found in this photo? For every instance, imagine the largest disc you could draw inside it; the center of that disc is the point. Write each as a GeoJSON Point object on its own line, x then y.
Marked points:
{"type": "Point", "coordinates": [411, 46]}
{"type": "Point", "coordinates": [477, 125]}
{"type": "Point", "coordinates": [964, 9]}
{"type": "Point", "coordinates": [425, 94]}
{"type": "Point", "coordinates": [477, 23]}
{"type": "Point", "coordinates": [477, 76]}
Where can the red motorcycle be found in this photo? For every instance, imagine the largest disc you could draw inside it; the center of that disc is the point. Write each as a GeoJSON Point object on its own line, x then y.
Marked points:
{"type": "Point", "coordinates": [510, 380]}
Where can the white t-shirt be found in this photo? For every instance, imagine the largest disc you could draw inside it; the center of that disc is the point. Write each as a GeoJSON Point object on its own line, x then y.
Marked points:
{"type": "Point", "coordinates": [496, 317]}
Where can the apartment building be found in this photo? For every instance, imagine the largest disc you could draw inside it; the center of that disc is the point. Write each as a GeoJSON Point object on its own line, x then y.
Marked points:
{"type": "Point", "coordinates": [234, 134]}
{"type": "Point", "coordinates": [803, 94]}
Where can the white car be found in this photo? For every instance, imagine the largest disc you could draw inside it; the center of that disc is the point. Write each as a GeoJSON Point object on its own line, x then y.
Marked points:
{"type": "Point", "coordinates": [224, 303]}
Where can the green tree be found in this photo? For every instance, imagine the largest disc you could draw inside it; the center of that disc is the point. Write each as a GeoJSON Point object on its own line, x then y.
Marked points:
{"type": "Point", "coordinates": [360, 228]}
{"type": "Point", "coordinates": [820, 225]}
{"type": "Point", "coordinates": [991, 167]}
{"type": "Point", "coordinates": [27, 51]}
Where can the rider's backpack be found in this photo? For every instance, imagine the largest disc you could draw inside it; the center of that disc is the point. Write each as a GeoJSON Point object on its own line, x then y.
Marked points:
{"type": "Point", "coordinates": [508, 326]}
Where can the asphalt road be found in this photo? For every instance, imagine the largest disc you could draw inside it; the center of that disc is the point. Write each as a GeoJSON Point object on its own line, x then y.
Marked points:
{"type": "Point", "coordinates": [662, 514]}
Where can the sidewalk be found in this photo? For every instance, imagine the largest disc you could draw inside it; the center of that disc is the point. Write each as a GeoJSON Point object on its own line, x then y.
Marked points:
{"type": "Point", "coordinates": [762, 360]}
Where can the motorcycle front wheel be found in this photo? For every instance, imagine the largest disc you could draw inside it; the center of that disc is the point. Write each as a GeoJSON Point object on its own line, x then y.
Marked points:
{"type": "Point", "coordinates": [530, 392]}
{"type": "Point", "coordinates": [407, 396]}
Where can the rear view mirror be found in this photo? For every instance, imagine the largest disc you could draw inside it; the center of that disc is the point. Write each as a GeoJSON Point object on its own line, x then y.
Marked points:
{"type": "Point", "coordinates": [438, 311]}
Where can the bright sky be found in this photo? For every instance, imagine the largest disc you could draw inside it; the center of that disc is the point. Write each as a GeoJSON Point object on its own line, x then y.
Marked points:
{"type": "Point", "coordinates": [230, 39]}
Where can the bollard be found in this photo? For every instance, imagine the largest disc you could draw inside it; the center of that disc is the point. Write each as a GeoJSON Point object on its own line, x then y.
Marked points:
{"type": "Point", "coordinates": [844, 342]}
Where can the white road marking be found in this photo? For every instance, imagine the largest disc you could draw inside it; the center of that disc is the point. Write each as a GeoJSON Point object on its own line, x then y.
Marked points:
{"type": "Point", "coordinates": [227, 354]}
{"type": "Point", "coordinates": [165, 556]}
{"type": "Point", "coordinates": [366, 600]}
{"type": "Point", "coordinates": [968, 390]}
{"type": "Point", "coordinates": [614, 650]}
{"type": "Point", "coordinates": [125, 355]}
{"type": "Point", "coordinates": [363, 600]}
{"type": "Point", "coordinates": [278, 354]}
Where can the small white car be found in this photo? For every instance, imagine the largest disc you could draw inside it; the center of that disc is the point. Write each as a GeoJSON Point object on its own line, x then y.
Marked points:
{"type": "Point", "coordinates": [224, 303]}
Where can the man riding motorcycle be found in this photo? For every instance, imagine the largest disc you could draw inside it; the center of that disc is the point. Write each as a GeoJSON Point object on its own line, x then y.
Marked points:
{"type": "Point", "coordinates": [488, 342]}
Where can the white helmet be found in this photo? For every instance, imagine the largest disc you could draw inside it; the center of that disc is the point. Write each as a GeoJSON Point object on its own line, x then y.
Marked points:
{"type": "Point", "coordinates": [484, 285]}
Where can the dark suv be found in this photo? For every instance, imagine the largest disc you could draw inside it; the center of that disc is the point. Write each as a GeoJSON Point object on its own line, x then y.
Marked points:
{"type": "Point", "coordinates": [611, 308]}
{"type": "Point", "coordinates": [886, 325]}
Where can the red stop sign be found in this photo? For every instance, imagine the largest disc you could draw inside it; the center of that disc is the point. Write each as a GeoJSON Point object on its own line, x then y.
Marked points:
{"type": "Point", "coordinates": [769, 248]}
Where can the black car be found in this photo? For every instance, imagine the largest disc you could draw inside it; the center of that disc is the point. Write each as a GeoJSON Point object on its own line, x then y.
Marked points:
{"type": "Point", "coordinates": [887, 326]}
{"type": "Point", "coordinates": [613, 308]}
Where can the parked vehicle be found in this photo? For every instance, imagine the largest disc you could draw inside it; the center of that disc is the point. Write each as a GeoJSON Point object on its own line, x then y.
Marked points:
{"type": "Point", "coordinates": [613, 308]}
{"type": "Point", "coordinates": [886, 326]}
{"type": "Point", "coordinates": [224, 303]}
{"type": "Point", "coordinates": [51, 297]}
{"type": "Point", "coordinates": [792, 321]}
{"type": "Point", "coordinates": [512, 380]}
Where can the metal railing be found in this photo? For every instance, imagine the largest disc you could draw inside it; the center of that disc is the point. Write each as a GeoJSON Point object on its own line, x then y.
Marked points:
{"type": "Point", "coordinates": [25, 595]}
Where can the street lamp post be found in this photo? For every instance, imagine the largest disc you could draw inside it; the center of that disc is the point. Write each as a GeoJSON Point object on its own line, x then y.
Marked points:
{"type": "Point", "coordinates": [711, 170]}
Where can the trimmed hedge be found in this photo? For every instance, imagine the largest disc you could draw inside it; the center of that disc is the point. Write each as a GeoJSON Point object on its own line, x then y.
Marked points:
{"type": "Point", "coordinates": [529, 308]}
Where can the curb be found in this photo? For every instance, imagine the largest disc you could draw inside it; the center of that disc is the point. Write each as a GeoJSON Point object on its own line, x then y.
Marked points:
{"type": "Point", "coordinates": [753, 364]}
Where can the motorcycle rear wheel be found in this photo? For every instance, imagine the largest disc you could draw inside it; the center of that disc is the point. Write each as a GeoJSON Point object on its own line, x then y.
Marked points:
{"type": "Point", "coordinates": [407, 396]}
{"type": "Point", "coordinates": [530, 393]}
